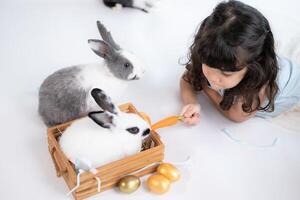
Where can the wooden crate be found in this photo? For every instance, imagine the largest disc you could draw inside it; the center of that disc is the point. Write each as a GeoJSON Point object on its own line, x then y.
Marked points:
{"type": "Point", "coordinates": [110, 173]}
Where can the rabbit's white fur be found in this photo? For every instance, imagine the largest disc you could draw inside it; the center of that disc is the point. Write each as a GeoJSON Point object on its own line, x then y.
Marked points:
{"type": "Point", "coordinates": [99, 76]}
{"type": "Point", "coordinates": [139, 69]}
{"type": "Point", "coordinates": [89, 146]}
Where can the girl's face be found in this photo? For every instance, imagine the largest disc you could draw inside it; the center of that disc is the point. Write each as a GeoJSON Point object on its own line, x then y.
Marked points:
{"type": "Point", "coordinates": [222, 79]}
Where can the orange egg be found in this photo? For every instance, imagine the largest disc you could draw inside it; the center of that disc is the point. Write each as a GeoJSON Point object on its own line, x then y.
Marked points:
{"type": "Point", "coordinates": [158, 184]}
{"type": "Point", "coordinates": [169, 171]}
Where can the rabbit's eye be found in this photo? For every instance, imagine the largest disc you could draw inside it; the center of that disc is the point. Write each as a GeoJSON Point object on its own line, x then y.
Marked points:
{"type": "Point", "coordinates": [133, 130]}
{"type": "Point", "coordinates": [126, 65]}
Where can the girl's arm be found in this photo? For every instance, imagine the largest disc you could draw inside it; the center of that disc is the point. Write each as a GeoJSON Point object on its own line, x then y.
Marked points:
{"type": "Point", "coordinates": [191, 109]}
{"type": "Point", "coordinates": [235, 113]}
{"type": "Point", "coordinates": [188, 95]}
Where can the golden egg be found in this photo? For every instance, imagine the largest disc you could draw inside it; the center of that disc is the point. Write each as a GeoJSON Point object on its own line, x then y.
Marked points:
{"type": "Point", "coordinates": [169, 171]}
{"type": "Point", "coordinates": [158, 184]}
{"type": "Point", "coordinates": [129, 184]}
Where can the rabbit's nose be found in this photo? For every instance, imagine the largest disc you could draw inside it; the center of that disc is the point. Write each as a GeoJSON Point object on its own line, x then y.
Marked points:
{"type": "Point", "coordinates": [146, 132]}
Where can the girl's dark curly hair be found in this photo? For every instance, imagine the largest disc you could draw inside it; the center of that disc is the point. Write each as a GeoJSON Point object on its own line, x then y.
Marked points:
{"type": "Point", "coordinates": [235, 36]}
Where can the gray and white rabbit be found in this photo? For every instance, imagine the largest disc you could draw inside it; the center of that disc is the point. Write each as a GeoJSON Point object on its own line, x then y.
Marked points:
{"type": "Point", "coordinates": [143, 5]}
{"type": "Point", "coordinates": [64, 95]}
{"type": "Point", "coordinates": [103, 136]}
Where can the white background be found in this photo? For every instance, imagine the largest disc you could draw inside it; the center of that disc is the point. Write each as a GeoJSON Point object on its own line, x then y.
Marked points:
{"type": "Point", "coordinates": [38, 37]}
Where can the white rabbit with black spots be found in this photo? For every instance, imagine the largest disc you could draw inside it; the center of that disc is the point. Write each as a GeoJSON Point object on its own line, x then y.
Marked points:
{"type": "Point", "coordinates": [64, 95]}
{"type": "Point", "coordinates": [103, 136]}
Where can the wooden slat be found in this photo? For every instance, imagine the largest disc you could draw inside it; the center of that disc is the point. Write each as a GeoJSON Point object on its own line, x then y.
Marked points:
{"type": "Point", "coordinates": [66, 166]}
{"type": "Point", "coordinates": [93, 190]}
{"type": "Point", "coordinates": [120, 172]}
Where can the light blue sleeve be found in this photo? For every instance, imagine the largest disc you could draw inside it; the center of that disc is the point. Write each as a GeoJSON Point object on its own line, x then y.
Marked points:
{"type": "Point", "coordinates": [288, 81]}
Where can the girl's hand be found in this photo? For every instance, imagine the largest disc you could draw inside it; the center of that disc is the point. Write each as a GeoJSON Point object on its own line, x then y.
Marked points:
{"type": "Point", "coordinates": [191, 114]}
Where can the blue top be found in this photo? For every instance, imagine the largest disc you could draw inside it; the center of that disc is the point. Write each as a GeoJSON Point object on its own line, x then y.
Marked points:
{"type": "Point", "coordinates": [288, 81]}
{"type": "Point", "coordinates": [288, 95]}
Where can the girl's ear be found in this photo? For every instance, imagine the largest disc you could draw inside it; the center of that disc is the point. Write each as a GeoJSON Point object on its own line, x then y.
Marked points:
{"type": "Point", "coordinates": [102, 118]}
{"type": "Point", "coordinates": [101, 48]}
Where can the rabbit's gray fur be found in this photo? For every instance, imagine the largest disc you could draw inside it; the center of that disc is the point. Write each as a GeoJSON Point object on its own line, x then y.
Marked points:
{"type": "Point", "coordinates": [65, 94]}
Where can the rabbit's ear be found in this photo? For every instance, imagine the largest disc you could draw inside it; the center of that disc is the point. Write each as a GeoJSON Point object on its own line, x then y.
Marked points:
{"type": "Point", "coordinates": [104, 101]}
{"type": "Point", "coordinates": [106, 36]}
{"type": "Point", "coordinates": [101, 48]}
{"type": "Point", "coordinates": [103, 119]}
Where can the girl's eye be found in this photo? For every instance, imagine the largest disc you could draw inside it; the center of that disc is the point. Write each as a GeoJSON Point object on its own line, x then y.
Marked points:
{"type": "Point", "coordinates": [133, 130]}
{"type": "Point", "coordinates": [126, 65]}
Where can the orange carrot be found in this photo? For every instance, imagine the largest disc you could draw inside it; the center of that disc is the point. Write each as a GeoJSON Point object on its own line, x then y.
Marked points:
{"type": "Point", "coordinates": [169, 121]}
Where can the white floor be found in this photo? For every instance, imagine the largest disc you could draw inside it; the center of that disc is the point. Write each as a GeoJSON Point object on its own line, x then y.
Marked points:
{"type": "Point", "coordinates": [38, 37]}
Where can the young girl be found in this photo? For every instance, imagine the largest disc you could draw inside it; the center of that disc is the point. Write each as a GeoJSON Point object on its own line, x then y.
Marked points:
{"type": "Point", "coordinates": [232, 60]}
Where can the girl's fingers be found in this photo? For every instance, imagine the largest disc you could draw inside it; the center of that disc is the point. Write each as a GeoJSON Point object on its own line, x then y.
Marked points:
{"type": "Point", "coordinates": [193, 120]}
{"type": "Point", "coordinates": [192, 114]}
{"type": "Point", "coordinates": [189, 112]}
{"type": "Point", "coordinates": [197, 115]}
